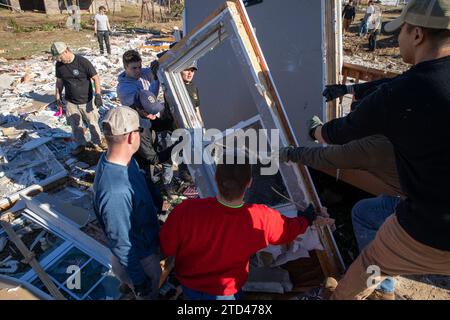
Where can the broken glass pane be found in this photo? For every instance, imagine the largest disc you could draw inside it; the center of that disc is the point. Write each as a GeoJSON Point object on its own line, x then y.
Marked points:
{"type": "Point", "coordinates": [61, 269]}
{"type": "Point", "coordinates": [36, 239]}
{"type": "Point", "coordinates": [90, 276]}
{"type": "Point", "coordinates": [38, 284]}
{"type": "Point", "coordinates": [108, 289]}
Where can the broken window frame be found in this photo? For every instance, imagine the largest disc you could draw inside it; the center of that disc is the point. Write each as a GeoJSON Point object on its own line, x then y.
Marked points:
{"type": "Point", "coordinates": [72, 237]}
{"type": "Point", "coordinates": [287, 208]}
{"type": "Point", "coordinates": [220, 27]}
{"type": "Point", "coordinates": [231, 22]}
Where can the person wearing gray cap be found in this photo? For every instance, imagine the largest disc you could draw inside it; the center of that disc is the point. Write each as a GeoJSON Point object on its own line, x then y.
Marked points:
{"type": "Point", "coordinates": [412, 111]}
{"type": "Point", "coordinates": [188, 75]}
{"type": "Point", "coordinates": [74, 74]}
{"type": "Point", "coordinates": [126, 206]}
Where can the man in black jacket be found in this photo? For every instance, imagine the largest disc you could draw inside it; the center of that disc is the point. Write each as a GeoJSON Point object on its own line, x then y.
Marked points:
{"type": "Point", "coordinates": [411, 111]}
{"type": "Point", "coordinates": [348, 14]}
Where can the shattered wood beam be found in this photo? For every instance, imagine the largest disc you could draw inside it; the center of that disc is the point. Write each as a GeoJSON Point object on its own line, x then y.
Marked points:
{"type": "Point", "coordinates": [7, 202]}
{"type": "Point", "coordinates": [366, 73]}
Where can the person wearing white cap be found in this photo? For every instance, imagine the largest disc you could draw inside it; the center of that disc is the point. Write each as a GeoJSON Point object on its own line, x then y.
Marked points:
{"type": "Point", "coordinates": [74, 74]}
{"type": "Point", "coordinates": [412, 111]}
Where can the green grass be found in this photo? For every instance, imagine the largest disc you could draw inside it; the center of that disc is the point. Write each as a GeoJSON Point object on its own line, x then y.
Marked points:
{"type": "Point", "coordinates": [17, 28]}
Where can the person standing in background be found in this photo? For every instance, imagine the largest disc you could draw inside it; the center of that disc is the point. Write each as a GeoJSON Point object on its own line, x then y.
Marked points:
{"type": "Point", "coordinates": [102, 29]}
{"type": "Point", "coordinates": [348, 14]}
{"type": "Point", "coordinates": [365, 21]}
{"type": "Point", "coordinates": [374, 28]}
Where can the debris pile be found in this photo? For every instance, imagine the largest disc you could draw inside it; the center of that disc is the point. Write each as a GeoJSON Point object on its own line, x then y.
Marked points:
{"type": "Point", "coordinates": [35, 145]}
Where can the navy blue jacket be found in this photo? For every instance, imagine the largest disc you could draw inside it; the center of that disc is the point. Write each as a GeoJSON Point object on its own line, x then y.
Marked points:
{"type": "Point", "coordinates": [126, 212]}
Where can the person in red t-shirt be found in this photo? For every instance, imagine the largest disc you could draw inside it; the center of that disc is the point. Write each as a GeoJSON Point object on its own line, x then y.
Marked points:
{"type": "Point", "coordinates": [212, 239]}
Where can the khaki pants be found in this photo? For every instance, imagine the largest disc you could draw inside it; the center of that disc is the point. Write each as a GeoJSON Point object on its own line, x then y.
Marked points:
{"type": "Point", "coordinates": [76, 114]}
{"type": "Point", "coordinates": [395, 253]}
{"type": "Point", "coordinates": [152, 269]}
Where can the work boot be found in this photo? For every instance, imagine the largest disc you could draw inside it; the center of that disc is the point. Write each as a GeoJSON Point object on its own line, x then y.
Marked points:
{"type": "Point", "coordinates": [79, 149]}
{"type": "Point", "coordinates": [380, 295]}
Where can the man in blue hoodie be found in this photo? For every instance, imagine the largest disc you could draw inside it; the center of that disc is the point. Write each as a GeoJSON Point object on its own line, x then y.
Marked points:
{"type": "Point", "coordinates": [125, 207]}
{"type": "Point", "coordinates": [132, 82]}
{"type": "Point", "coordinates": [135, 78]}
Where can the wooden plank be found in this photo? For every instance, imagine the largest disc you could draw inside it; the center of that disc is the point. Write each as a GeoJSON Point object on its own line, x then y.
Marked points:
{"type": "Point", "coordinates": [332, 68]}
{"type": "Point", "coordinates": [367, 73]}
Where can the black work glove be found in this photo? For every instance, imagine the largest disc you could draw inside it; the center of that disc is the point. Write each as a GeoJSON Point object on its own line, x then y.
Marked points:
{"type": "Point", "coordinates": [309, 214]}
{"type": "Point", "coordinates": [284, 153]}
{"type": "Point", "coordinates": [313, 124]}
{"type": "Point", "coordinates": [98, 100]}
{"type": "Point", "coordinates": [334, 91]}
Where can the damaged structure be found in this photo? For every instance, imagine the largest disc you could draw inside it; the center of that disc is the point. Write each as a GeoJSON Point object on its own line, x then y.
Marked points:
{"type": "Point", "coordinates": [244, 96]}
{"type": "Point", "coordinates": [60, 6]}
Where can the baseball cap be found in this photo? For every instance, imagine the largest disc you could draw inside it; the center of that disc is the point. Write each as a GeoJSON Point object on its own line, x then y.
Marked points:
{"type": "Point", "coordinates": [149, 102]}
{"type": "Point", "coordinates": [192, 65]}
{"type": "Point", "coordinates": [434, 14]}
{"type": "Point", "coordinates": [57, 48]}
{"type": "Point", "coordinates": [121, 120]}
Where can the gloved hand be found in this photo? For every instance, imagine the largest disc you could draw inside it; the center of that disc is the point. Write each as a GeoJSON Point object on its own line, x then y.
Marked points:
{"type": "Point", "coordinates": [313, 124]}
{"type": "Point", "coordinates": [309, 214]}
{"type": "Point", "coordinates": [284, 153]}
{"type": "Point", "coordinates": [98, 100]}
{"type": "Point", "coordinates": [334, 91]}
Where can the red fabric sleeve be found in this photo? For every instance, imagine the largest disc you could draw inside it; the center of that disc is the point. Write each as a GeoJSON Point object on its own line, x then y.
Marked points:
{"type": "Point", "coordinates": [281, 229]}
{"type": "Point", "coordinates": [169, 236]}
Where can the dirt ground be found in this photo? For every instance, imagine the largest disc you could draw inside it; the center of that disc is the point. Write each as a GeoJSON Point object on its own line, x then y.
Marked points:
{"type": "Point", "coordinates": [23, 35]}
{"type": "Point", "coordinates": [386, 56]}
{"type": "Point", "coordinates": [423, 288]}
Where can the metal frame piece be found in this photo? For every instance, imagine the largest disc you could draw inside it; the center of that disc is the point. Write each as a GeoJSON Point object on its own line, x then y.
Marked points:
{"type": "Point", "coordinates": [72, 236]}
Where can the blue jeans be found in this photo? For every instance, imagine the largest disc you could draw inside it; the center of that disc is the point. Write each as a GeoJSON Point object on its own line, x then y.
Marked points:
{"type": "Point", "coordinates": [373, 39]}
{"type": "Point", "coordinates": [164, 142]}
{"type": "Point", "coordinates": [190, 294]}
{"type": "Point", "coordinates": [363, 28]}
{"type": "Point", "coordinates": [367, 217]}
